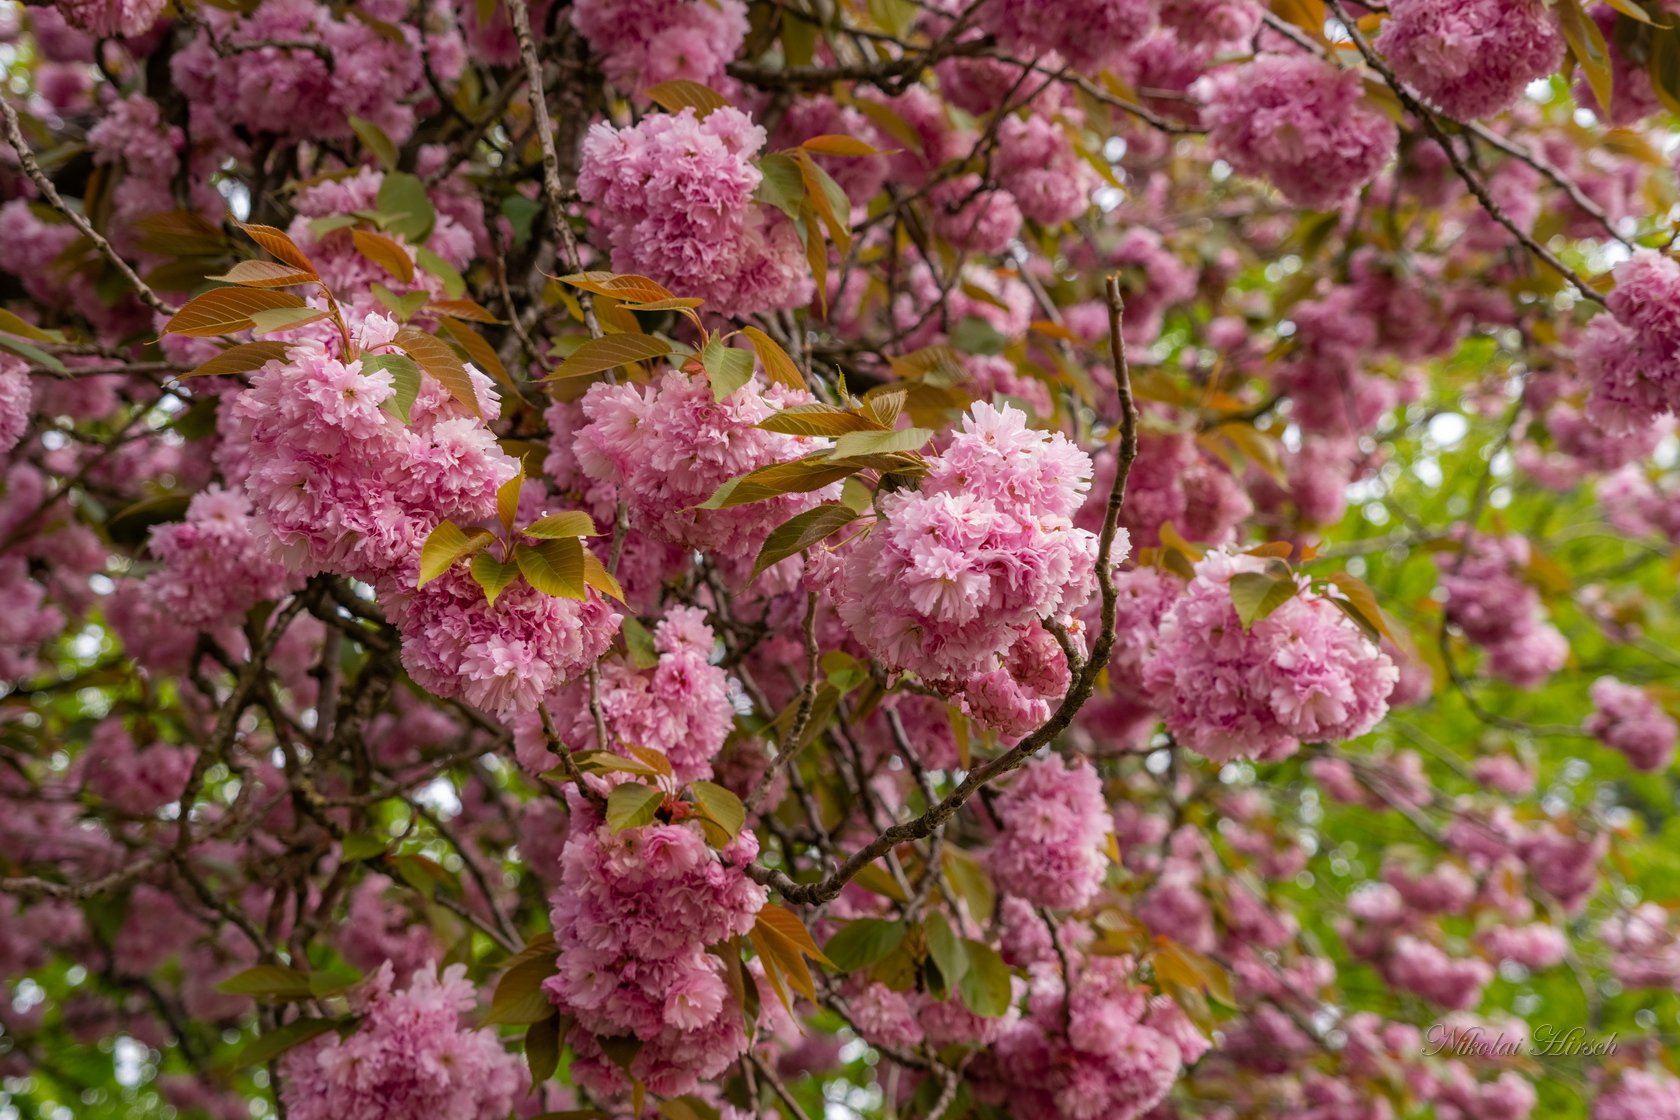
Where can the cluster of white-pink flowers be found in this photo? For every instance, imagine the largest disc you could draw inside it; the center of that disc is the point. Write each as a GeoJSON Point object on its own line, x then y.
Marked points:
{"type": "Point", "coordinates": [1304, 672]}
{"type": "Point", "coordinates": [952, 583]}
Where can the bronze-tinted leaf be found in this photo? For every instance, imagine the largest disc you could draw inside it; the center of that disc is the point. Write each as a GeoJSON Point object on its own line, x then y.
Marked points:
{"type": "Point", "coordinates": [226, 310]}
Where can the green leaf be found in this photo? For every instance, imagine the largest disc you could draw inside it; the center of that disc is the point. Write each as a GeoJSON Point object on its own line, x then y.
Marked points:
{"type": "Point", "coordinates": [862, 942]}
{"type": "Point", "coordinates": [492, 575]}
{"type": "Point", "coordinates": [553, 567]}
{"type": "Point", "coordinates": [129, 525]}
{"type": "Point", "coordinates": [973, 335]}
{"type": "Point", "coordinates": [243, 358]}
{"type": "Point", "coordinates": [985, 985]}
{"type": "Point", "coordinates": [361, 845]}
{"type": "Point", "coordinates": [856, 496]}
{"type": "Point", "coordinates": [404, 196]}
{"type": "Point", "coordinates": [542, 1048]}
{"type": "Point", "coordinates": [439, 360]}
{"type": "Point", "coordinates": [946, 949]}
{"type": "Point", "coordinates": [33, 354]}
{"type": "Point", "coordinates": [639, 642]}
{"type": "Point", "coordinates": [373, 138]}
{"type": "Point", "coordinates": [267, 981]}
{"type": "Point", "coordinates": [330, 223]}
{"type": "Point", "coordinates": [1587, 45]}
{"type": "Point", "coordinates": [855, 444]}
{"type": "Point", "coordinates": [226, 310]}
{"type": "Point", "coordinates": [632, 805]}
{"type": "Point", "coordinates": [519, 997]}
{"type": "Point", "coordinates": [798, 477]}
{"type": "Point", "coordinates": [405, 381]}
{"type": "Point", "coordinates": [679, 94]}
{"type": "Point", "coordinates": [13, 324]}
{"type": "Point", "coordinates": [445, 545]}
{"type": "Point", "coordinates": [601, 354]}
{"type": "Point", "coordinates": [271, 1044]}
{"type": "Point", "coordinates": [802, 531]}
{"type": "Point", "coordinates": [1258, 594]}
{"type": "Point", "coordinates": [721, 807]}
{"type": "Point", "coordinates": [453, 285]}
{"type": "Point", "coordinates": [557, 526]}
{"type": "Point", "coordinates": [284, 318]}
{"type": "Point", "coordinates": [727, 367]}
{"type": "Point", "coordinates": [782, 185]}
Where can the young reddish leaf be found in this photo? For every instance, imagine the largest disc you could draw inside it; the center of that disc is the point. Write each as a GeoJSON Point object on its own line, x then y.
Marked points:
{"type": "Point", "coordinates": [614, 350]}
{"type": "Point", "coordinates": [385, 253]}
{"type": "Point", "coordinates": [445, 545]}
{"type": "Point", "coordinates": [442, 363]}
{"type": "Point", "coordinates": [596, 575]}
{"type": "Point", "coordinates": [468, 309]}
{"type": "Point", "coordinates": [243, 358]}
{"type": "Point", "coordinates": [778, 366]}
{"type": "Point", "coordinates": [226, 310]}
{"type": "Point", "coordinates": [507, 498]}
{"type": "Point", "coordinates": [818, 419]}
{"type": "Point", "coordinates": [675, 96]}
{"type": "Point", "coordinates": [264, 274]}
{"type": "Point", "coordinates": [628, 287]}
{"type": "Point", "coordinates": [280, 245]}
{"type": "Point", "coordinates": [833, 145]}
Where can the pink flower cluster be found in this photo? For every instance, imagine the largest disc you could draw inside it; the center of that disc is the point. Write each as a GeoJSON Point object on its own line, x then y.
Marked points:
{"type": "Point", "coordinates": [958, 574]}
{"type": "Point", "coordinates": [674, 197]}
{"type": "Point", "coordinates": [1299, 122]}
{"type": "Point", "coordinates": [134, 780]}
{"type": "Point", "coordinates": [1631, 357]}
{"type": "Point", "coordinates": [633, 915]}
{"type": "Point", "coordinates": [1104, 1050]}
{"type": "Point", "coordinates": [407, 1057]}
{"type": "Point", "coordinates": [266, 77]}
{"type": "Point", "coordinates": [1053, 821]}
{"type": "Point", "coordinates": [1471, 57]}
{"type": "Point", "coordinates": [1304, 672]}
{"type": "Point", "coordinates": [645, 42]}
{"type": "Point", "coordinates": [504, 658]}
{"type": "Point", "coordinates": [667, 446]}
{"type": "Point", "coordinates": [679, 707]}
{"type": "Point", "coordinates": [1499, 611]}
{"type": "Point", "coordinates": [213, 567]}
{"type": "Point", "coordinates": [1420, 966]}
{"type": "Point", "coordinates": [1037, 165]}
{"type": "Point", "coordinates": [337, 482]}
{"type": "Point", "coordinates": [1090, 35]}
{"type": "Point", "coordinates": [15, 397]}
{"type": "Point", "coordinates": [107, 18]}
{"type": "Point", "coordinates": [1626, 718]}
{"type": "Point", "coordinates": [1640, 1094]}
